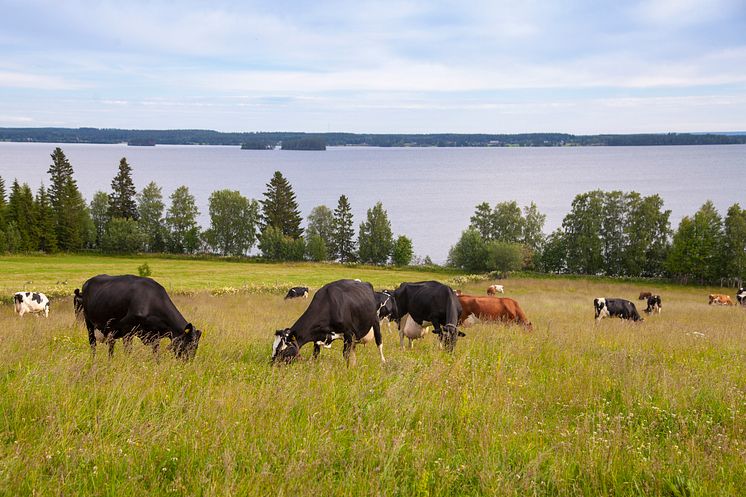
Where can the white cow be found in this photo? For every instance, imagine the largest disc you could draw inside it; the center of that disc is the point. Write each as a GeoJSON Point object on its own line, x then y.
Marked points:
{"type": "Point", "coordinates": [31, 302]}
{"type": "Point", "coordinates": [493, 289]}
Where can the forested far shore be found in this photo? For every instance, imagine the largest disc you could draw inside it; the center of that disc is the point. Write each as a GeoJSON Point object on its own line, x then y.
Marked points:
{"type": "Point", "coordinates": [290, 140]}
{"type": "Point", "coordinates": [604, 233]}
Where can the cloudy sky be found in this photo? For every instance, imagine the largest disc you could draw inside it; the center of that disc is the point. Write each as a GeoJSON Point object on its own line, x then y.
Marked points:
{"type": "Point", "coordinates": [376, 66]}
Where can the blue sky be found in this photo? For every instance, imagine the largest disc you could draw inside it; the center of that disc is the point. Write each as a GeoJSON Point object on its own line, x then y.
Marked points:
{"type": "Point", "coordinates": [379, 66]}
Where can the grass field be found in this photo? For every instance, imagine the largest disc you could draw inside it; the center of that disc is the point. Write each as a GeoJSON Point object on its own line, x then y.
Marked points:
{"type": "Point", "coordinates": [572, 408]}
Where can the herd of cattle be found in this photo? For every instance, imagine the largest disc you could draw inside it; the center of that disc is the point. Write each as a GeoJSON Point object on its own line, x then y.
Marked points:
{"type": "Point", "coordinates": [129, 306]}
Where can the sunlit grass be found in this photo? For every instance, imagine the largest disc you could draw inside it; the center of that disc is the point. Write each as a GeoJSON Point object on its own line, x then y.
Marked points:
{"type": "Point", "coordinates": [572, 408]}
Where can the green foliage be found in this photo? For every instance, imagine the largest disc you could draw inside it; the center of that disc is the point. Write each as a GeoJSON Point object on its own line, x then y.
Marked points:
{"type": "Point", "coordinates": [44, 223]}
{"type": "Point", "coordinates": [277, 246]}
{"type": "Point", "coordinates": [3, 203]}
{"type": "Point", "coordinates": [150, 207]}
{"type": "Point", "coordinates": [504, 257]}
{"type": "Point", "coordinates": [304, 143]}
{"type": "Point", "coordinates": [122, 199]}
{"type": "Point", "coordinates": [321, 223]}
{"type": "Point", "coordinates": [100, 214]}
{"type": "Point", "coordinates": [72, 217]}
{"type": "Point", "coordinates": [696, 252]}
{"type": "Point", "coordinates": [533, 226]}
{"type": "Point", "coordinates": [582, 226]}
{"type": "Point", "coordinates": [403, 252]}
{"type": "Point", "coordinates": [280, 208]}
{"type": "Point", "coordinates": [144, 270]}
{"type": "Point", "coordinates": [233, 221]}
{"type": "Point", "coordinates": [470, 252]}
{"type": "Point", "coordinates": [553, 254]}
{"type": "Point", "coordinates": [22, 212]}
{"type": "Point", "coordinates": [183, 234]}
{"type": "Point", "coordinates": [122, 236]}
{"type": "Point", "coordinates": [343, 248]}
{"type": "Point", "coordinates": [375, 240]}
{"type": "Point", "coordinates": [735, 243]}
{"type": "Point", "coordinates": [316, 249]}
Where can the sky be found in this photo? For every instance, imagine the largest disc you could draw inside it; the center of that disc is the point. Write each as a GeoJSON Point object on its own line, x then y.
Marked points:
{"type": "Point", "coordinates": [383, 66]}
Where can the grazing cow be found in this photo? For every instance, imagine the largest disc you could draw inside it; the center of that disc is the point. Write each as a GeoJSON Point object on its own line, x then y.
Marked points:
{"type": "Point", "coordinates": [644, 295]}
{"type": "Point", "coordinates": [31, 303]}
{"type": "Point", "coordinates": [386, 305]}
{"type": "Point", "coordinates": [126, 306]}
{"type": "Point", "coordinates": [492, 309]}
{"type": "Point", "coordinates": [433, 302]}
{"type": "Point", "coordinates": [78, 303]}
{"type": "Point", "coordinates": [297, 292]}
{"type": "Point", "coordinates": [720, 299]}
{"type": "Point", "coordinates": [654, 305]}
{"type": "Point", "coordinates": [341, 309]}
{"type": "Point", "coordinates": [620, 308]}
{"type": "Point", "coordinates": [741, 296]}
{"type": "Point", "coordinates": [495, 289]}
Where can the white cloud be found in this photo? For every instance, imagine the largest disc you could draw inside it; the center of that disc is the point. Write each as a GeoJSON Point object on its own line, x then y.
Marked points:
{"type": "Point", "coordinates": [13, 79]}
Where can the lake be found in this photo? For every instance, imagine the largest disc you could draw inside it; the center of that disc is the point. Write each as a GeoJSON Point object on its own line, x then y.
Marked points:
{"type": "Point", "coordinates": [429, 193]}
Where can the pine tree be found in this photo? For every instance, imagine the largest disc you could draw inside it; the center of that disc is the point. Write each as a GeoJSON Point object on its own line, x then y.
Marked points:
{"type": "Point", "coordinates": [280, 208]}
{"type": "Point", "coordinates": [376, 241]}
{"type": "Point", "coordinates": [344, 243]}
{"type": "Point", "coordinates": [47, 234]}
{"type": "Point", "coordinates": [122, 199]}
{"type": "Point", "coordinates": [72, 218]}
{"type": "Point", "coordinates": [22, 213]}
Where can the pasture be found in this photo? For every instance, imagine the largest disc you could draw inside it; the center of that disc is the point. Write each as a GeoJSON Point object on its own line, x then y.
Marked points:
{"type": "Point", "coordinates": [572, 408]}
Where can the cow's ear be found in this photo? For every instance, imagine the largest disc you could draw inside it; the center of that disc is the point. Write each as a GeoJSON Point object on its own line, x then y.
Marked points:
{"type": "Point", "coordinates": [461, 334]}
{"type": "Point", "coordinates": [77, 291]}
{"type": "Point", "coordinates": [188, 328]}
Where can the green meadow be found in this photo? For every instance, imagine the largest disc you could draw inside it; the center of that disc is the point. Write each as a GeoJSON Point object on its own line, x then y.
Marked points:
{"type": "Point", "coordinates": [656, 408]}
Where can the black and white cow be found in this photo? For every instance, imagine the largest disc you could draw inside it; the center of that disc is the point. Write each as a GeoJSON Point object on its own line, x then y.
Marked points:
{"type": "Point", "coordinates": [741, 296]}
{"type": "Point", "coordinates": [31, 303]}
{"type": "Point", "coordinates": [655, 306]}
{"type": "Point", "coordinates": [620, 308]}
{"type": "Point", "coordinates": [127, 306]}
{"type": "Point", "coordinates": [386, 305]}
{"type": "Point", "coordinates": [343, 309]}
{"type": "Point", "coordinates": [297, 292]}
{"type": "Point", "coordinates": [433, 302]}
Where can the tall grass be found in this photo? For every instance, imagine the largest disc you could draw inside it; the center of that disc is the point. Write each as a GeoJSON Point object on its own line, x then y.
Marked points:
{"type": "Point", "coordinates": [572, 408]}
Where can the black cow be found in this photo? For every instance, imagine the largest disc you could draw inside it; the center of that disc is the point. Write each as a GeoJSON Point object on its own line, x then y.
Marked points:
{"type": "Point", "coordinates": [741, 296]}
{"type": "Point", "coordinates": [654, 304]}
{"type": "Point", "coordinates": [78, 304]}
{"type": "Point", "coordinates": [386, 305]}
{"type": "Point", "coordinates": [620, 308]}
{"type": "Point", "coordinates": [297, 292]}
{"type": "Point", "coordinates": [341, 309]}
{"type": "Point", "coordinates": [126, 306]}
{"type": "Point", "coordinates": [434, 302]}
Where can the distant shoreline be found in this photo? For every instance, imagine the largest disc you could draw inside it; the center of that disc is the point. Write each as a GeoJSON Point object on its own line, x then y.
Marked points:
{"type": "Point", "coordinates": [317, 141]}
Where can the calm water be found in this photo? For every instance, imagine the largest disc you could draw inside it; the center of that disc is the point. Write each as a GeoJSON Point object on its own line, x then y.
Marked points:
{"type": "Point", "coordinates": [429, 193]}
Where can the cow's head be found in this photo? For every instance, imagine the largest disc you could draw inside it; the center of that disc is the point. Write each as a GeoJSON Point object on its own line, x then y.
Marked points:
{"type": "Point", "coordinates": [285, 347]}
{"type": "Point", "coordinates": [78, 302]}
{"type": "Point", "coordinates": [448, 335]}
{"type": "Point", "coordinates": [599, 304]}
{"type": "Point", "coordinates": [184, 346]}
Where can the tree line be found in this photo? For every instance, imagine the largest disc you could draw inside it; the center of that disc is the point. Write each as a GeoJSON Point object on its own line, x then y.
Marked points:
{"type": "Point", "coordinates": [126, 221]}
{"type": "Point", "coordinates": [264, 140]}
{"type": "Point", "coordinates": [621, 234]}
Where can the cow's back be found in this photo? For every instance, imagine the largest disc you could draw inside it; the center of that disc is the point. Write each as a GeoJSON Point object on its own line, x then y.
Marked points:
{"type": "Point", "coordinates": [112, 297]}
{"type": "Point", "coordinates": [341, 305]}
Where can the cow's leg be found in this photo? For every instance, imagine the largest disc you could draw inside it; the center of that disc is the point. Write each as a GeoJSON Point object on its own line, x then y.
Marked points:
{"type": "Point", "coordinates": [411, 343]}
{"type": "Point", "coordinates": [46, 311]}
{"type": "Point", "coordinates": [91, 335]}
{"type": "Point", "coordinates": [348, 352]}
{"type": "Point", "coordinates": [378, 338]}
{"type": "Point", "coordinates": [316, 350]}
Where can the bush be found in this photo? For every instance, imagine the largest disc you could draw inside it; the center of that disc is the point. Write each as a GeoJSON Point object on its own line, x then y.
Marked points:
{"type": "Point", "coordinates": [402, 253]}
{"type": "Point", "coordinates": [504, 257]}
{"type": "Point", "coordinates": [122, 236]}
{"type": "Point", "coordinates": [278, 247]}
{"type": "Point", "coordinates": [470, 252]}
{"type": "Point", "coordinates": [144, 270]}
{"type": "Point", "coordinates": [316, 249]}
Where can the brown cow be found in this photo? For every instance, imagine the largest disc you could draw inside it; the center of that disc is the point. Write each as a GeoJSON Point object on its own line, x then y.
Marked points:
{"type": "Point", "coordinates": [645, 295]}
{"type": "Point", "coordinates": [720, 299]}
{"type": "Point", "coordinates": [493, 289]}
{"type": "Point", "coordinates": [492, 309]}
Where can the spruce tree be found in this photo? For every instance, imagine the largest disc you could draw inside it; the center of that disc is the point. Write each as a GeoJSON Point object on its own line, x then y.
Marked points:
{"type": "Point", "coordinates": [344, 243]}
{"type": "Point", "coordinates": [122, 199]}
{"type": "Point", "coordinates": [22, 213]}
{"type": "Point", "coordinates": [280, 208]}
{"type": "Point", "coordinates": [71, 215]}
{"type": "Point", "coordinates": [46, 229]}
{"type": "Point", "coordinates": [2, 203]}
